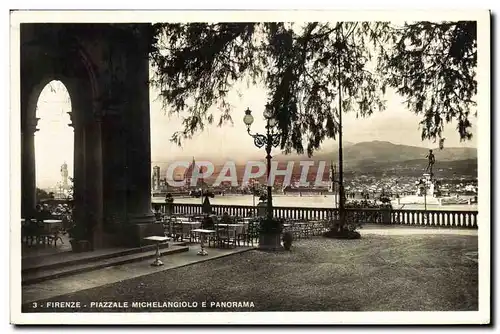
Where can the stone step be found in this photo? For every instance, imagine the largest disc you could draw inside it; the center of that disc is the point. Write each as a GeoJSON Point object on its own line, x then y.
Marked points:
{"type": "Point", "coordinates": [70, 258]}
{"type": "Point", "coordinates": [42, 274]}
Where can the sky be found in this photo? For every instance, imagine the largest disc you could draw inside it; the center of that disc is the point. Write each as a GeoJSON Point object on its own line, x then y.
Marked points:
{"type": "Point", "coordinates": [396, 124]}
{"type": "Point", "coordinates": [54, 140]}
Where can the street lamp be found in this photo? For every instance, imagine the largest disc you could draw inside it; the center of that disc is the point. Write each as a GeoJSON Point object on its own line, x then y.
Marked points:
{"type": "Point", "coordinates": [253, 198]}
{"type": "Point", "coordinates": [269, 140]}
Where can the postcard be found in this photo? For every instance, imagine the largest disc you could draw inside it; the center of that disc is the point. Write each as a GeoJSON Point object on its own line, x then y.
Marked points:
{"type": "Point", "coordinates": [250, 167]}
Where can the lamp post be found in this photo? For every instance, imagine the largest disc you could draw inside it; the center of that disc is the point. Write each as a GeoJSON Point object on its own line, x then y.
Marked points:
{"type": "Point", "coordinates": [253, 198]}
{"type": "Point", "coordinates": [269, 140]}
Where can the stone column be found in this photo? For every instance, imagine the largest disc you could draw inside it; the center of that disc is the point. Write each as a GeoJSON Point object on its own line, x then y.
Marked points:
{"type": "Point", "coordinates": [138, 137]}
{"type": "Point", "coordinates": [93, 180]}
{"type": "Point", "coordinates": [28, 171]}
{"type": "Point", "coordinates": [79, 204]}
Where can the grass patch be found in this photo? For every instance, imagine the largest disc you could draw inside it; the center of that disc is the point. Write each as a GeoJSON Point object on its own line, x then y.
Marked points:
{"type": "Point", "coordinates": [375, 273]}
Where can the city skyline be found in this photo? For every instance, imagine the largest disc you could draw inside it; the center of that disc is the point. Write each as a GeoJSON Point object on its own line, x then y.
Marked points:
{"type": "Point", "coordinates": [227, 142]}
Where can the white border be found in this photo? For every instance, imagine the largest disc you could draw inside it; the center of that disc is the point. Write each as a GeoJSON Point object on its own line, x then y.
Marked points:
{"type": "Point", "coordinates": [481, 316]}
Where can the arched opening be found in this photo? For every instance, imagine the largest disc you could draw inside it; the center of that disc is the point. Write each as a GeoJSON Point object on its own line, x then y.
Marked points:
{"type": "Point", "coordinates": [54, 143]}
{"type": "Point", "coordinates": [107, 150]}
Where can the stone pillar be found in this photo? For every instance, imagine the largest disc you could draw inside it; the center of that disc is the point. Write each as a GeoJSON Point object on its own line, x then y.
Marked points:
{"type": "Point", "coordinates": [79, 205]}
{"type": "Point", "coordinates": [138, 137]}
{"type": "Point", "coordinates": [114, 174]}
{"type": "Point", "coordinates": [140, 219]}
{"type": "Point", "coordinates": [28, 171]}
{"type": "Point", "coordinates": [93, 181]}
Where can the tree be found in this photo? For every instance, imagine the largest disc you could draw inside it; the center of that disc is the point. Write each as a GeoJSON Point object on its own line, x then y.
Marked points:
{"type": "Point", "coordinates": [301, 67]}
{"type": "Point", "coordinates": [431, 64]}
{"type": "Point", "coordinates": [42, 194]}
{"type": "Point", "coordinates": [197, 64]}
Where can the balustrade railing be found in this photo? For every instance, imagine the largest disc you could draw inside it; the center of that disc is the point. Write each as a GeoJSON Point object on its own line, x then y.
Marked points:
{"type": "Point", "coordinates": [436, 218]}
{"type": "Point", "coordinates": [439, 218]}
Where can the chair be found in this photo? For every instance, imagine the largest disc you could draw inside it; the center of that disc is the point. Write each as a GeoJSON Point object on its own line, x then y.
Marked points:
{"type": "Point", "coordinates": [252, 232]}
{"type": "Point", "coordinates": [176, 228]}
{"type": "Point", "coordinates": [167, 226]}
{"type": "Point", "coordinates": [227, 236]}
{"type": "Point", "coordinates": [213, 239]}
{"type": "Point", "coordinates": [29, 231]}
{"type": "Point", "coordinates": [54, 236]}
{"type": "Point", "coordinates": [36, 232]}
{"type": "Point", "coordinates": [240, 234]}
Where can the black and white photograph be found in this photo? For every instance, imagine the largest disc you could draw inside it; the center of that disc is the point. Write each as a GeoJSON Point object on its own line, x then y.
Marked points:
{"type": "Point", "coordinates": [250, 167]}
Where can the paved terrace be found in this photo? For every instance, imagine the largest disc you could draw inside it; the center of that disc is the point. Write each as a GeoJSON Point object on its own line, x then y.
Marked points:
{"type": "Point", "coordinates": [389, 269]}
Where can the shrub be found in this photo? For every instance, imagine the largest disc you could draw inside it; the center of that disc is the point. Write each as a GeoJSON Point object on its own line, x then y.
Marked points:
{"type": "Point", "coordinates": [78, 232]}
{"type": "Point", "coordinates": [287, 240]}
{"type": "Point", "coordinates": [273, 226]}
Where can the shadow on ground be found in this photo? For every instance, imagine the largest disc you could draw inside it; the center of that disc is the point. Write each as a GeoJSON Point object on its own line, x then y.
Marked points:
{"type": "Point", "coordinates": [375, 273]}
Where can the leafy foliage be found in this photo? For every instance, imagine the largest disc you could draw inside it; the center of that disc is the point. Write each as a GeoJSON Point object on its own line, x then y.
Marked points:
{"type": "Point", "coordinates": [307, 71]}
{"type": "Point", "coordinates": [270, 226]}
{"type": "Point", "coordinates": [42, 194]}
{"type": "Point", "coordinates": [433, 65]}
{"type": "Point", "coordinates": [314, 70]}
{"type": "Point", "coordinates": [78, 232]}
{"type": "Point", "coordinates": [198, 64]}
{"type": "Point", "coordinates": [287, 240]}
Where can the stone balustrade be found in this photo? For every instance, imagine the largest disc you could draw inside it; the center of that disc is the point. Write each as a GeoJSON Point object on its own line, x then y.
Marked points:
{"type": "Point", "coordinates": [437, 218]}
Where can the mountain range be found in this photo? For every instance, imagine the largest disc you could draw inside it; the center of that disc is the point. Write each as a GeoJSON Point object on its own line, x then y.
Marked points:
{"type": "Point", "coordinates": [364, 156]}
{"type": "Point", "coordinates": [383, 152]}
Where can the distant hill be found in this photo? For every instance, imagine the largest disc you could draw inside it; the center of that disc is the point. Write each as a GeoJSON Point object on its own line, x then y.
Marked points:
{"type": "Point", "coordinates": [415, 167]}
{"type": "Point", "coordinates": [382, 157]}
{"type": "Point", "coordinates": [370, 156]}
{"type": "Point", "coordinates": [383, 151]}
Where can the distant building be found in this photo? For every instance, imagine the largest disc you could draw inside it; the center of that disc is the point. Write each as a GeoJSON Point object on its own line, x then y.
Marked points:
{"type": "Point", "coordinates": [62, 188]}
{"type": "Point", "coordinates": [471, 188]}
{"type": "Point", "coordinates": [64, 175]}
{"type": "Point", "coordinates": [188, 174]}
{"type": "Point", "coordinates": [155, 183]}
{"type": "Point", "coordinates": [428, 187]}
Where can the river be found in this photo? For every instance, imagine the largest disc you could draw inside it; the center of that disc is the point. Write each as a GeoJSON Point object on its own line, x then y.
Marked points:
{"type": "Point", "coordinates": [313, 201]}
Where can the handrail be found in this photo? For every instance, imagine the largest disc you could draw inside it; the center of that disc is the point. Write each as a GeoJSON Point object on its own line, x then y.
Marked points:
{"type": "Point", "coordinates": [412, 217]}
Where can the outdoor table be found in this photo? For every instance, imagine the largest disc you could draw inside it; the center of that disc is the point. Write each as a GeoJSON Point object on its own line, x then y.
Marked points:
{"type": "Point", "coordinates": [202, 239]}
{"type": "Point", "coordinates": [51, 223]}
{"type": "Point", "coordinates": [158, 239]}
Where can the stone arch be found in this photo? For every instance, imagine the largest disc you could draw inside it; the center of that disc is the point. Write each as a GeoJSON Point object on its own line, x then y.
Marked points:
{"type": "Point", "coordinates": [77, 74]}
{"type": "Point", "coordinates": [110, 120]}
{"type": "Point", "coordinates": [41, 63]}
{"type": "Point", "coordinates": [53, 106]}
